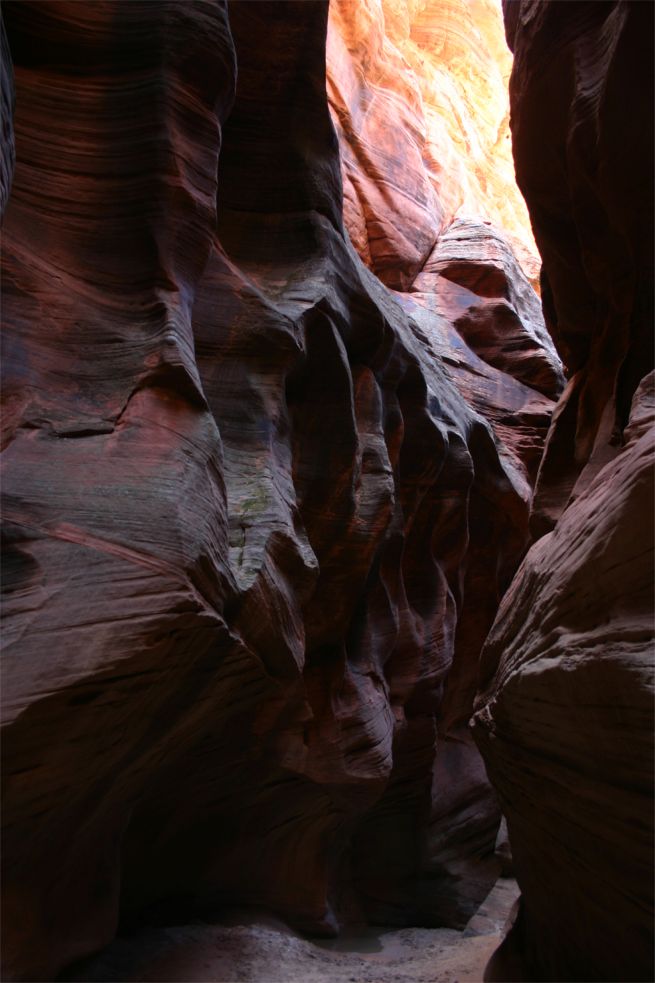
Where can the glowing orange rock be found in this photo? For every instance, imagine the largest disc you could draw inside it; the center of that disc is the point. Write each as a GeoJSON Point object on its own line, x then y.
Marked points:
{"type": "Point", "coordinates": [418, 91]}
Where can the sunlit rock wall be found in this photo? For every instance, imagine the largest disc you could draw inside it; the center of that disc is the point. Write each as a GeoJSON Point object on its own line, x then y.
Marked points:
{"type": "Point", "coordinates": [418, 92]}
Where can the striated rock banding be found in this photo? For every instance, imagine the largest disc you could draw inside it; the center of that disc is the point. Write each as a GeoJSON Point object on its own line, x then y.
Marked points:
{"type": "Point", "coordinates": [7, 147]}
{"type": "Point", "coordinates": [418, 93]}
{"type": "Point", "coordinates": [566, 724]}
{"type": "Point", "coordinates": [585, 170]}
{"type": "Point", "coordinates": [565, 713]}
{"type": "Point", "coordinates": [256, 535]}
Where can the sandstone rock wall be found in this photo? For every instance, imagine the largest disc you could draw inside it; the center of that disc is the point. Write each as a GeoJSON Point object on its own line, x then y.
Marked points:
{"type": "Point", "coordinates": [114, 517]}
{"type": "Point", "coordinates": [582, 126]}
{"type": "Point", "coordinates": [565, 716]}
{"type": "Point", "coordinates": [259, 510]}
{"type": "Point", "coordinates": [418, 92]}
{"type": "Point", "coordinates": [7, 157]}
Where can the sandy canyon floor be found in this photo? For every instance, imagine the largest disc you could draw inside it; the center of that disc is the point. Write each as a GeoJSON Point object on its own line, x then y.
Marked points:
{"type": "Point", "coordinates": [266, 951]}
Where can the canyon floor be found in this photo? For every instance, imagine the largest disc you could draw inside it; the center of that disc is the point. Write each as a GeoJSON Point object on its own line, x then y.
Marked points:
{"type": "Point", "coordinates": [271, 954]}
{"type": "Point", "coordinates": [264, 950]}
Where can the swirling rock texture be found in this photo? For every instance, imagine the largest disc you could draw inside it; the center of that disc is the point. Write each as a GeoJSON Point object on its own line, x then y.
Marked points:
{"type": "Point", "coordinates": [259, 509]}
{"type": "Point", "coordinates": [565, 718]}
{"type": "Point", "coordinates": [114, 513]}
{"type": "Point", "coordinates": [418, 93]}
{"type": "Point", "coordinates": [418, 96]}
{"type": "Point", "coordinates": [8, 150]}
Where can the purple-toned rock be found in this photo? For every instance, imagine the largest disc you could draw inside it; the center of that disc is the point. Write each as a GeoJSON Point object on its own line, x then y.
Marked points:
{"type": "Point", "coordinates": [257, 519]}
{"type": "Point", "coordinates": [565, 713]}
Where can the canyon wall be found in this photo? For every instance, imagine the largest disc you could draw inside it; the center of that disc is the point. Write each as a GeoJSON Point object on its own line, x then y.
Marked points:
{"type": "Point", "coordinates": [7, 148]}
{"type": "Point", "coordinates": [255, 534]}
{"type": "Point", "coordinates": [565, 716]}
{"type": "Point", "coordinates": [418, 94]}
{"type": "Point", "coordinates": [260, 507]}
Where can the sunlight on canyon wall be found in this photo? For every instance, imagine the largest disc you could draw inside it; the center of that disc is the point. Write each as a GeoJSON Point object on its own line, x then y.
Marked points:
{"type": "Point", "coordinates": [418, 92]}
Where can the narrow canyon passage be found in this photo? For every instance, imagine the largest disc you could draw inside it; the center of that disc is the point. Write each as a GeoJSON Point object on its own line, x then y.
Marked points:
{"type": "Point", "coordinates": [269, 952]}
{"type": "Point", "coordinates": [327, 490]}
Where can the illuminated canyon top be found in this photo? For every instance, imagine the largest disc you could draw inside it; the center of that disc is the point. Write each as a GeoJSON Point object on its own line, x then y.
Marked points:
{"type": "Point", "coordinates": [418, 92]}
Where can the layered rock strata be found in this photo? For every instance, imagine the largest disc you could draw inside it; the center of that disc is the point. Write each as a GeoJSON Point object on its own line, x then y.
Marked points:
{"type": "Point", "coordinates": [418, 93]}
{"type": "Point", "coordinates": [114, 516]}
{"type": "Point", "coordinates": [255, 534]}
{"type": "Point", "coordinates": [8, 154]}
{"type": "Point", "coordinates": [586, 171]}
{"type": "Point", "coordinates": [565, 716]}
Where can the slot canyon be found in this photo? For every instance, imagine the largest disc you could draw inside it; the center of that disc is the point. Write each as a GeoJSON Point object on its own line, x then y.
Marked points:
{"type": "Point", "coordinates": [327, 474]}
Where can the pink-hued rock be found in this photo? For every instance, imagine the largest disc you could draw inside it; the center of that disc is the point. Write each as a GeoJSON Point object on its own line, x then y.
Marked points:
{"type": "Point", "coordinates": [7, 148]}
{"type": "Point", "coordinates": [419, 101]}
{"type": "Point", "coordinates": [566, 724]}
{"type": "Point", "coordinates": [114, 514]}
{"type": "Point", "coordinates": [478, 312]}
{"type": "Point", "coordinates": [584, 163]}
{"type": "Point", "coordinates": [256, 535]}
{"type": "Point", "coordinates": [481, 287]}
{"type": "Point", "coordinates": [418, 93]}
{"type": "Point", "coordinates": [565, 713]}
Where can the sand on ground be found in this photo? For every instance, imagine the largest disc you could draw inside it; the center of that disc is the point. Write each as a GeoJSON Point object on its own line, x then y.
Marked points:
{"type": "Point", "coordinates": [272, 953]}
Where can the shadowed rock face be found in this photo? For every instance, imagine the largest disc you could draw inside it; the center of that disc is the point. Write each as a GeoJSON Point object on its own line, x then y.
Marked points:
{"type": "Point", "coordinates": [258, 519]}
{"type": "Point", "coordinates": [584, 164]}
{"type": "Point", "coordinates": [7, 155]}
{"type": "Point", "coordinates": [114, 509]}
{"type": "Point", "coordinates": [565, 715]}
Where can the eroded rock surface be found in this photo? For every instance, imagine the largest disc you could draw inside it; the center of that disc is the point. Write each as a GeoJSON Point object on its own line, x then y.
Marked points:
{"type": "Point", "coordinates": [418, 92]}
{"type": "Point", "coordinates": [565, 716]}
{"type": "Point", "coordinates": [567, 724]}
{"type": "Point", "coordinates": [258, 519]}
{"type": "Point", "coordinates": [114, 510]}
{"type": "Point", "coordinates": [7, 148]}
{"type": "Point", "coordinates": [418, 95]}
{"type": "Point", "coordinates": [585, 165]}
